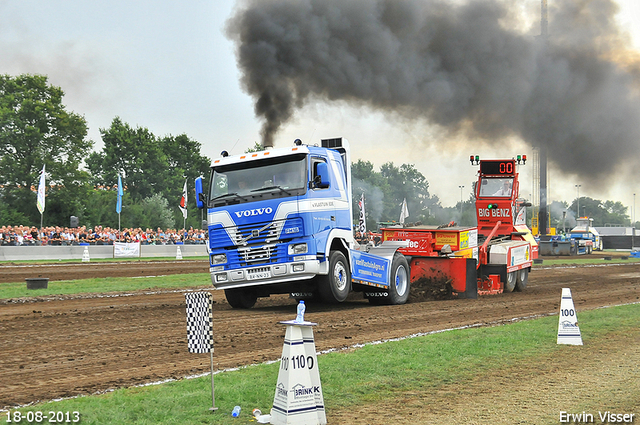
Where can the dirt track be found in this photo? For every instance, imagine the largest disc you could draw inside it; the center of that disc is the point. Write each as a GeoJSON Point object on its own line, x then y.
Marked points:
{"type": "Point", "coordinates": [75, 346]}
{"type": "Point", "coordinates": [17, 272]}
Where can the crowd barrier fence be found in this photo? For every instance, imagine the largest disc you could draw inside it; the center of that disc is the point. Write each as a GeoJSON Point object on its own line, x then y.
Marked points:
{"type": "Point", "coordinates": [75, 252]}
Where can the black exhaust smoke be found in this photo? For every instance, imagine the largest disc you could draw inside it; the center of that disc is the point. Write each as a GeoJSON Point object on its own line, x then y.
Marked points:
{"type": "Point", "coordinates": [467, 66]}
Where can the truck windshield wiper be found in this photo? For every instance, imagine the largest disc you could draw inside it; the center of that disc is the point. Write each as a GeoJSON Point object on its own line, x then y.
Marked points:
{"type": "Point", "coordinates": [229, 194]}
{"type": "Point", "coordinates": [271, 188]}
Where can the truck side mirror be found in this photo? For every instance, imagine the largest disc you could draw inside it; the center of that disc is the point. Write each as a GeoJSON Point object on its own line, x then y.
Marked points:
{"type": "Point", "coordinates": [201, 199]}
{"type": "Point", "coordinates": [321, 179]}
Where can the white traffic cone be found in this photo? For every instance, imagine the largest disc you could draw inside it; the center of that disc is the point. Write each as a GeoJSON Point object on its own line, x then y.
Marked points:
{"type": "Point", "coordinates": [85, 255]}
{"type": "Point", "coordinates": [298, 397]}
{"type": "Point", "coordinates": [568, 330]}
{"type": "Point", "coordinates": [178, 254]}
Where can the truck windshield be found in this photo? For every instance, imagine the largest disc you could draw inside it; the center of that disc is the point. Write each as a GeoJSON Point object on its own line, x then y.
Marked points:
{"type": "Point", "coordinates": [246, 181]}
{"type": "Point", "coordinates": [497, 186]}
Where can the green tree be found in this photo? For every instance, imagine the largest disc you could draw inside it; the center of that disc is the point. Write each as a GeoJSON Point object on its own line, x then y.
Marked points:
{"type": "Point", "coordinates": [152, 212]}
{"type": "Point", "coordinates": [149, 166]}
{"type": "Point", "coordinates": [184, 161]}
{"type": "Point", "coordinates": [136, 154]}
{"type": "Point", "coordinates": [603, 213]}
{"type": "Point", "coordinates": [406, 182]}
{"type": "Point", "coordinates": [101, 208]}
{"type": "Point", "coordinates": [37, 130]}
{"type": "Point", "coordinates": [257, 147]}
{"type": "Point", "coordinates": [386, 189]}
{"type": "Point", "coordinates": [464, 214]}
{"type": "Point", "coordinates": [11, 215]}
{"type": "Point", "coordinates": [365, 180]}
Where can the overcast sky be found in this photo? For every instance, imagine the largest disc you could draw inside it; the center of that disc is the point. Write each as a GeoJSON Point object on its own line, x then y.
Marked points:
{"type": "Point", "coordinates": [169, 67]}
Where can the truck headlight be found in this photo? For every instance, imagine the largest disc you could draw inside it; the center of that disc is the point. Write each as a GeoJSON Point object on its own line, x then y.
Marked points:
{"type": "Point", "coordinates": [222, 277]}
{"type": "Point", "coordinates": [219, 259]}
{"type": "Point", "coordinates": [299, 248]}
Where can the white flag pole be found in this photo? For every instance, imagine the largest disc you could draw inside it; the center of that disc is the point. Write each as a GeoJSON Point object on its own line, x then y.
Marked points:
{"type": "Point", "coordinates": [41, 196]}
{"type": "Point", "coordinates": [404, 213]}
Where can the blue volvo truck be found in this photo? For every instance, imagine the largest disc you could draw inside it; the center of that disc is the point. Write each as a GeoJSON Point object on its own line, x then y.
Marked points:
{"type": "Point", "coordinates": [280, 221]}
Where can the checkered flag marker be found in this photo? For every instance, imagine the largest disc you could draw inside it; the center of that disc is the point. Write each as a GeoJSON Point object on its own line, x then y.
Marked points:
{"type": "Point", "coordinates": [199, 322]}
{"type": "Point", "coordinates": [200, 329]}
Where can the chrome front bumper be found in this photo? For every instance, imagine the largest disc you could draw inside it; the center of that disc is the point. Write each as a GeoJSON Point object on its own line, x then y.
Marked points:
{"type": "Point", "coordinates": [265, 274]}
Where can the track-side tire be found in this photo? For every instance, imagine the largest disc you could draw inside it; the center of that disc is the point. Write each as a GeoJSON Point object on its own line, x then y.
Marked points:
{"type": "Point", "coordinates": [335, 287]}
{"type": "Point", "coordinates": [241, 297]}
{"type": "Point", "coordinates": [510, 284]}
{"type": "Point", "coordinates": [399, 286]}
{"type": "Point", "coordinates": [522, 279]}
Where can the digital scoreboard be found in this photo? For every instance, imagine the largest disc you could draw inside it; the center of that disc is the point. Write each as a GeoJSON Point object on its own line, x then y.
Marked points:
{"type": "Point", "coordinates": [498, 167]}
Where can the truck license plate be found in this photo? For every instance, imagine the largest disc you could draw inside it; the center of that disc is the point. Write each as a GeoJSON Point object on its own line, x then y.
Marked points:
{"type": "Point", "coordinates": [258, 274]}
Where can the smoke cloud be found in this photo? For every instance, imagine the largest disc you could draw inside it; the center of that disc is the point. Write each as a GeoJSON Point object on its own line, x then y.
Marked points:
{"type": "Point", "coordinates": [469, 67]}
{"type": "Point", "coordinates": [373, 202]}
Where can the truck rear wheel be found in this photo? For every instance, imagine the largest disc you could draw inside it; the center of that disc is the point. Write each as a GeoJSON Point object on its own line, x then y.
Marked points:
{"type": "Point", "coordinates": [522, 279]}
{"type": "Point", "coordinates": [334, 287]}
{"type": "Point", "coordinates": [510, 284]}
{"type": "Point", "coordinates": [241, 298]}
{"type": "Point", "coordinates": [399, 285]}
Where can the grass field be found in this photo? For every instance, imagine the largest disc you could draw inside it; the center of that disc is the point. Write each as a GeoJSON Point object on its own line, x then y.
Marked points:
{"type": "Point", "coordinates": [362, 378]}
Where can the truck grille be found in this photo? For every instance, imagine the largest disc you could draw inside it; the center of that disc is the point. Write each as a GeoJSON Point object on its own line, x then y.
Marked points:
{"type": "Point", "coordinates": [253, 234]}
{"type": "Point", "coordinates": [256, 253]}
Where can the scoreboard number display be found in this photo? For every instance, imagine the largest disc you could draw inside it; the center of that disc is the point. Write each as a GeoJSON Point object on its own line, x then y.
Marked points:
{"type": "Point", "coordinates": [498, 167]}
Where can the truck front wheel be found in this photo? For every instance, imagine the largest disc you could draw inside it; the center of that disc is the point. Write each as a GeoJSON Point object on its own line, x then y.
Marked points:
{"type": "Point", "coordinates": [241, 298]}
{"type": "Point", "coordinates": [334, 287]}
{"type": "Point", "coordinates": [399, 285]}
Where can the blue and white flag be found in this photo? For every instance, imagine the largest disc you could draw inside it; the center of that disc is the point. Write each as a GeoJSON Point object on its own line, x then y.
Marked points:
{"type": "Point", "coordinates": [120, 193]}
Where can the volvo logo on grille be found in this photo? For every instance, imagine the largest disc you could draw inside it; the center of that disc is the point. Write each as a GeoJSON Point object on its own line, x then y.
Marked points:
{"type": "Point", "coordinates": [256, 211]}
{"type": "Point", "coordinates": [254, 233]}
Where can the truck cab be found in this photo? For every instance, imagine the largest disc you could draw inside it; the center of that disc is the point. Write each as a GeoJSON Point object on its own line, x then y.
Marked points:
{"type": "Point", "coordinates": [280, 221]}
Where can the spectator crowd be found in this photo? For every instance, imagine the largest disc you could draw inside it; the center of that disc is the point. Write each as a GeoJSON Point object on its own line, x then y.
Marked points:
{"type": "Point", "coordinates": [55, 235]}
